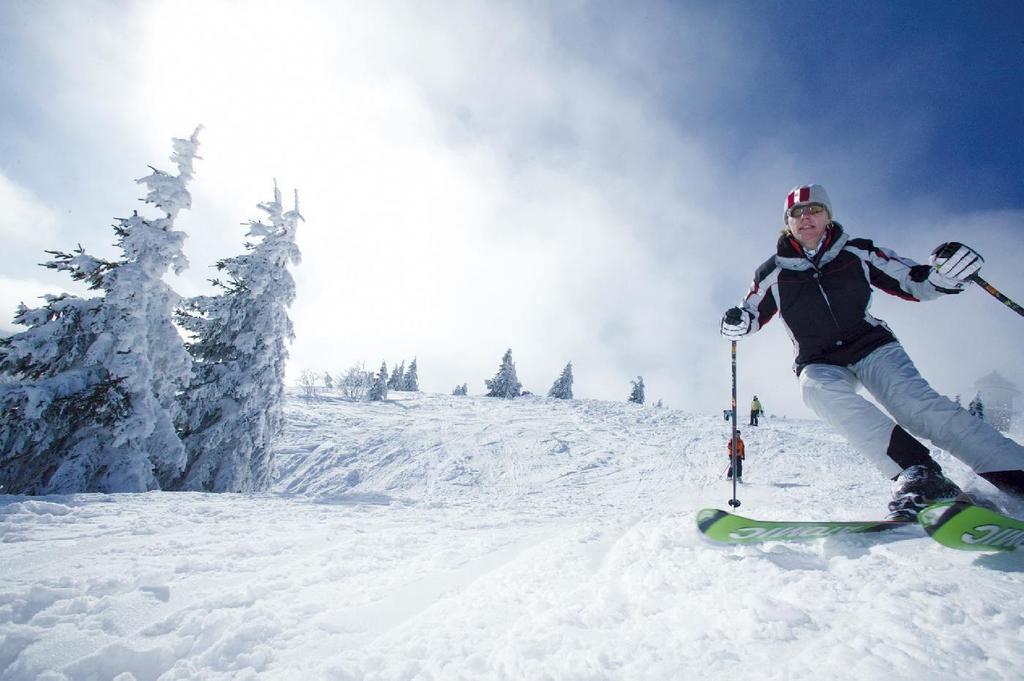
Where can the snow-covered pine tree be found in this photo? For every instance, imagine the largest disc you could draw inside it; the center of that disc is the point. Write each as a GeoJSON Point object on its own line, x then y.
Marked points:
{"type": "Point", "coordinates": [976, 408]}
{"type": "Point", "coordinates": [637, 395]}
{"type": "Point", "coordinates": [93, 404]}
{"type": "Point", "coordinates": [461, 389]}
{"type": "Point", "coordinates": [233, 408]}
{"type": "Point", "coordinates": [328, 381]}
{"type": "Point", "coordinates": [397, 380]}
{"type": "Point", "coordinates": [505, 383]}
{"type": "Point", "coordinates": [562, 387]}
{"type": "Point", "coordinates": [379, 390]}
{"type": "Point", "coordinates": [411, 382]}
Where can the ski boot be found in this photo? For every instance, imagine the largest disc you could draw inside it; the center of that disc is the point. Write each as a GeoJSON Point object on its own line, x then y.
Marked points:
{"type": "Point", "coordinates": [917, 487]}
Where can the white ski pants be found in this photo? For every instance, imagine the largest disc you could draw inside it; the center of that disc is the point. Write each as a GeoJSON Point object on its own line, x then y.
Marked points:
{"type": "Point", "coordinates": [893, 380]}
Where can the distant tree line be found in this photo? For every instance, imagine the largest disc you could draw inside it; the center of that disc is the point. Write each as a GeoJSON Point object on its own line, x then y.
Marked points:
{"type": "Point", "coordinates": [506, 385]}
{"type": "Point", "coordinates": [356, 383]}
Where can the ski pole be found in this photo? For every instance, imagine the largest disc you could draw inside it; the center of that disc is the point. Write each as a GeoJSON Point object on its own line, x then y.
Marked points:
{"type": "Point", "coordinates": [996, 294]}
{"type": "Point", "coordinates": [734, 502]}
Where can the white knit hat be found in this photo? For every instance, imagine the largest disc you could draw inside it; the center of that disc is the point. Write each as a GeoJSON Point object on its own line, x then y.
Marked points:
{"type": "Point", "coordinates": [807, 193]}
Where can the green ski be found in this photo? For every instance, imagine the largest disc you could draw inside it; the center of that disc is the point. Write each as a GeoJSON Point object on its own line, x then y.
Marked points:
{"type": "Point", "coordinates": [961, 525]}
{"type": "Point", "coordinates": [729, 528]}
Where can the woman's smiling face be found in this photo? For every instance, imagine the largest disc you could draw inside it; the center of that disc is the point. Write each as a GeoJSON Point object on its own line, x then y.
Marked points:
{"type": "Point", "coordinates": [808, 226]}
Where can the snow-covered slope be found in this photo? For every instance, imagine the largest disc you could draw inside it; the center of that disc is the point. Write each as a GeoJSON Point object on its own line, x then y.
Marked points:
{"type": "Point", "coordinates": [440, 537]}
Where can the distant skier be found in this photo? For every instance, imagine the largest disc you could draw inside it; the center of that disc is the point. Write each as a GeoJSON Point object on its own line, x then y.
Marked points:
{"type": "Point", "coordinates": [755, 410]}
{"type": "Point", "coordinates": [820, 281]}
{"type": "Point", "coordinates": [741, 453]}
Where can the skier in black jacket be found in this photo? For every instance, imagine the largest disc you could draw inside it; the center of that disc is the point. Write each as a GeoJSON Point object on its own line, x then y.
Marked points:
{"type": "Point", "coordinates": [819, 281]}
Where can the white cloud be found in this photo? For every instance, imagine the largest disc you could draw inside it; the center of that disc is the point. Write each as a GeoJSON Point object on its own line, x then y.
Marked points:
{"type": "Point", "coordinates": [23, 218]}
{"type": "Point", "coordinates": [463, 189]}
{"type": "Point", "coordinates": [473, 181]}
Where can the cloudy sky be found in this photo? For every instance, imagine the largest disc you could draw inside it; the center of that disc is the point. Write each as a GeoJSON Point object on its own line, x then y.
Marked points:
{"type": "Point", "coordinates": [584, 181]}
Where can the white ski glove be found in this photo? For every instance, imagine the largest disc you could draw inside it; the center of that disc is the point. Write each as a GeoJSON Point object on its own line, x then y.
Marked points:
{"type": "Point", "coordinates": [736, 323]}
{"type": "Point", "coordinates": [953, 264]}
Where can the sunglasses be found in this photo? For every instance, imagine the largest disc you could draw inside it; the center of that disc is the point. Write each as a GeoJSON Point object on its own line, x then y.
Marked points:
{"type": "Point", "coordinates": [812, 208]}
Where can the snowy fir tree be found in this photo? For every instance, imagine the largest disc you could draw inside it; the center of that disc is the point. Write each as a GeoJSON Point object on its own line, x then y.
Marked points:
{"type": "Point", "coordinates": [976, 408]}
{"type": "Point", "coordinates": [461, 389]}
{"type": "Point", "coordinates": [397, 380]}
{"type": "Point", "coordinates": [93, 402]}
{"type": "Point", "coordinates": [505, 383]}
{"type": "Point", "coordinates": [637, 395]}
{"type": "Point", "coordinates": [562, 388]}
{"type": "Point", "coordinates": [379, 389]}
{"type": "Point", "coordinates": [233, 407]}
{"type": "Point", "coordinates": [411, 381]}
{"type": "Point", "coordinates": [328, 381]}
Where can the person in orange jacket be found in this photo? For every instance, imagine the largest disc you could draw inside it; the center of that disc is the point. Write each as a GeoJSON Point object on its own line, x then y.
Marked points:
{"type": "Point", "coordinates": [741, 453]}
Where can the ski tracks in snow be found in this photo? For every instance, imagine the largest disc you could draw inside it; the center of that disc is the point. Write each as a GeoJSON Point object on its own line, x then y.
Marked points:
{"type": "Point", "coordinates": [471, 538]}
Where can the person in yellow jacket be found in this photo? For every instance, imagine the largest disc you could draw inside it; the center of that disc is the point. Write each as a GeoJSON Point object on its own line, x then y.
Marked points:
{"type": "Point", "coordinates": [741, 453]}
{"type": "Point", "coordinates": [755, 410]}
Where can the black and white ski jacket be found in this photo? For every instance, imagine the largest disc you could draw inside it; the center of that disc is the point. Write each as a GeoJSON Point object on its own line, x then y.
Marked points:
{"type": "Point", "coordinates": [824, 300]}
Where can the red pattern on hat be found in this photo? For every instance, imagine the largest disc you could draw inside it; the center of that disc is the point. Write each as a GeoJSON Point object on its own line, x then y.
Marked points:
{"type": "Point", "coordinates": [798, 195]}
{"type": "Point", "coordinates": [807, 193]}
